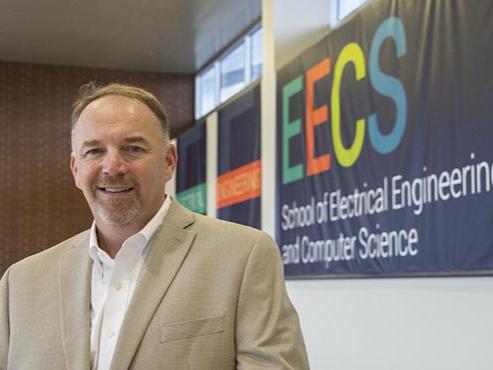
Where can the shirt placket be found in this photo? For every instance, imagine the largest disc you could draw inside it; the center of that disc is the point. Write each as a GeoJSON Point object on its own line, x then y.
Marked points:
{"type": "Point", "coordinates": [114, 311]}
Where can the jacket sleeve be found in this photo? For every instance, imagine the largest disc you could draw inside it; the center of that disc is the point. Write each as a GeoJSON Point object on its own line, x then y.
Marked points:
{"type": "Point", "coordinates": [268, 334]}
{"type": "Point", "coordinates": [4, 321]}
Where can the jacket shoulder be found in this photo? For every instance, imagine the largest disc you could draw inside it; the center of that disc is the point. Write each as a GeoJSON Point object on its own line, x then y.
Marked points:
{"type": "Point", "coordinates": [213, 229]}
{"type": "Point", "coordinates": [222, 227]}
{"type": "Point", "coordinates": [233, 237]}
{"type": "Point", "coordinates": [51, 255]}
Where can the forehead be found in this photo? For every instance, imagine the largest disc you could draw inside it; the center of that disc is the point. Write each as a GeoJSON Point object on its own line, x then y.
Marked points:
{"type": "Point", "coordinates": [111, 108]}
{"type": "Point", "coordinates": [117, 115]}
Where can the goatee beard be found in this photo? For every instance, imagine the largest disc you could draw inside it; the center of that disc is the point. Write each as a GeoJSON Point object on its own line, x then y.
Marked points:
{"type": "Point", "coordinates": [119, 213]}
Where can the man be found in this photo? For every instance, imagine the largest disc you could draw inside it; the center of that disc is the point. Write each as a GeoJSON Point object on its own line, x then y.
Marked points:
{"type": "Point", "coordinates": [150, 285]}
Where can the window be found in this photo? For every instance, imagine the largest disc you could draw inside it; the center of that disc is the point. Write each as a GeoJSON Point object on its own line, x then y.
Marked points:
{"type": "Point", "coordinates": [206, 90]}
{"type": "Point", "coordinates": [232, 71]}
{"type": "Point", "coordinates": [256, 40]}
{"type": "Point", "coordinates": [346, 7]}
{"type": "Point", "coordinates": [232, 67]}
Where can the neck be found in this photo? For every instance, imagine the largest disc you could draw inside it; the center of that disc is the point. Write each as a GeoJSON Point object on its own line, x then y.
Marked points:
{"type": "Point", "coordinates": [111, 238]}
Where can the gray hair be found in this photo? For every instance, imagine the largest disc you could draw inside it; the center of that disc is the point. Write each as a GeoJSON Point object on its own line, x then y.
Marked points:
{"type": "Point", "coordinates": [91, 92]}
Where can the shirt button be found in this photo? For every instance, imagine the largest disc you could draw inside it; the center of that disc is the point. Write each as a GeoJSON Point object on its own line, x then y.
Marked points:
{"type": "Point", "coordinates": [110, 333]}
{"type": "Point", "coordinates": [117, 285]}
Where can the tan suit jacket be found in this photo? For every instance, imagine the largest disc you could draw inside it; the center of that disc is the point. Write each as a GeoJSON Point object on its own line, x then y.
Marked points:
{"type": "Point", "coordinates": [211, 297]}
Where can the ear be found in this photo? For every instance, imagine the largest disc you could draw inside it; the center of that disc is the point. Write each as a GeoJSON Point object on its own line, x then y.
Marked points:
{"type": "Point", "coordinates": [73, 168]}
{"type": "Point", "coordinates": [171, 158]}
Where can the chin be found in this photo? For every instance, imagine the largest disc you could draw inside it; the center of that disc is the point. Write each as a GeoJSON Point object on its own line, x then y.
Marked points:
{"type": "Point", "coordinates": [118, 217]}
{"type": "Point", "coordinates": [117, 221]}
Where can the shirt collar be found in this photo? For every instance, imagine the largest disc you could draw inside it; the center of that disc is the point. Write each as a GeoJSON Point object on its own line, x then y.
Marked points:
{"type": "Point", "coordinates": [100, 257]}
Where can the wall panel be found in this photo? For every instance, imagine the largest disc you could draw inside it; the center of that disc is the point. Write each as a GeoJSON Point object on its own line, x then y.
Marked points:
{"type": "Point", "coordinates": [39, 204]}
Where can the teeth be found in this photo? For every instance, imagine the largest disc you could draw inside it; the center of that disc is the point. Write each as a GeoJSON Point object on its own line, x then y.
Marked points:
{"type": "Point", "coordinates": [116, 189]}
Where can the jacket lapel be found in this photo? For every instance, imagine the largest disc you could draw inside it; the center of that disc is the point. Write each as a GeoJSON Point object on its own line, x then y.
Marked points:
{"type": "Point", "coordinates": [75, 297]}
{"type": "Point", "coordinates": [165, 255]}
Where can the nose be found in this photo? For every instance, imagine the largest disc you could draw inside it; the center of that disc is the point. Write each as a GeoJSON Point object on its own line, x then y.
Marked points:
{"type": "Point", "coordinates": [113, 163]}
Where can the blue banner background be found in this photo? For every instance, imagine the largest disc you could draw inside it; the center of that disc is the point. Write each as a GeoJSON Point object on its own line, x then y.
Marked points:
{"type": "Point", "coordinates": [238, 145]}
{"type": "Point", "coordinates": [191, 167]}
{"type": "Point", "coordinates": [447, 77]}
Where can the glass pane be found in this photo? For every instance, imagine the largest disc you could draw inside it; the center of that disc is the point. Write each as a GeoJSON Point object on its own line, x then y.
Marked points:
{"type": "Point", "coordinates": [257, 37]}
{"type": "Point", "coordinates": [207, 92]}
{"type": "Point", "coordinates": [233, 72]}
{"type": "Point", "coordinates": [348, 6]}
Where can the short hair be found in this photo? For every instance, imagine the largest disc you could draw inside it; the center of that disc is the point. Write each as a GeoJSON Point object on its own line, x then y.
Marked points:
{"type": "Point", "coordinates": [90, 92]}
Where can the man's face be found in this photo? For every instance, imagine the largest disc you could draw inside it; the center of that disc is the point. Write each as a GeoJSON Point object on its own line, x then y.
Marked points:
{"type": "Point", "coordinates": [120, 160]}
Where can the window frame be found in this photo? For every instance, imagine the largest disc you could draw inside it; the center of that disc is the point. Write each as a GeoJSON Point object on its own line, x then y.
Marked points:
{"type": "Point", "coordinates": [245, 38]}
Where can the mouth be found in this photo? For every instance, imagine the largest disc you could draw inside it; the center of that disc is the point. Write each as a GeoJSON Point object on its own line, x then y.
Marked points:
{"type": "Point", "coordinates": [115, 189]}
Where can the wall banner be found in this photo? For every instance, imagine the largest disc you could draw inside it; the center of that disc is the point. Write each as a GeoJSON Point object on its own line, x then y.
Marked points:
{"type": "Point", "coordinates": [238, 170]}
{"type": "Point", "coordinates": [384, 150]}
{"type": "Point", "coordinates": [191, 188]}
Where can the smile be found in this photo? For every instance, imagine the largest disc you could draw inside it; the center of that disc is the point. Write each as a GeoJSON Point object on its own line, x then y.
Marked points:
{"type": "Point", "coordinates": [115, 189]}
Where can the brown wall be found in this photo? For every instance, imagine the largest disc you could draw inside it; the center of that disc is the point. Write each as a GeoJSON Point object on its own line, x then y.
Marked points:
{"type": "Point", "coordinates": [39, 204]}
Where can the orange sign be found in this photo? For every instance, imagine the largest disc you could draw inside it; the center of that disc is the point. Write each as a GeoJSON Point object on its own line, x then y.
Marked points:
{"type": "Point", "coordinates": [241, 184]}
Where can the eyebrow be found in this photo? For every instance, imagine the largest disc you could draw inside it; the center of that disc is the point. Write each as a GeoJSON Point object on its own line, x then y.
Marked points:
{"type": "Point", "coordinates": [129, 140]}
{"type": "Point", "coordinates": [90, 143]}
{"type": "Point", "coordinates": [137, 140]}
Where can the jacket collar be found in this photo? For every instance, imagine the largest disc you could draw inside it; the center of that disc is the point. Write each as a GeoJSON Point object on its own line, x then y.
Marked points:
{"type": "Point", "coordinates": [75, 299]}
{"type": "Point", "coordinates": [165, 255]}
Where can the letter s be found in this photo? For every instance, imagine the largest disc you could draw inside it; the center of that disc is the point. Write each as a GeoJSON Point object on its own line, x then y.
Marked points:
{"type": "Point", "coordinates": [388, 86]}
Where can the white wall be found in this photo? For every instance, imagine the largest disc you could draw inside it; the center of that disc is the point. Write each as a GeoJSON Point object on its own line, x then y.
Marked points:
{"type": "Point", "coordinates": [397, 324]}
{"type": "Point", "coordinates": [370, 324]}
{"type": "Point", "coordinates": [170, 187]}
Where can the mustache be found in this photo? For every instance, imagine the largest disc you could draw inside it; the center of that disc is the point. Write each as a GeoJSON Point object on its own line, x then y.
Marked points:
{"type": "Point", "coordinates": [111, 180]}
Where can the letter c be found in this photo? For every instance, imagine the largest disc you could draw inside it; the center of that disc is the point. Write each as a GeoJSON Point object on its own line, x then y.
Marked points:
{"type": "Point", "coordinates": [346, 157]}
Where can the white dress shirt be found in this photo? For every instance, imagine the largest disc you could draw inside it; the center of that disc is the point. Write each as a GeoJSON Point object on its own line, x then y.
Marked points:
{"type": "Point", "coordinates": [113, 284]}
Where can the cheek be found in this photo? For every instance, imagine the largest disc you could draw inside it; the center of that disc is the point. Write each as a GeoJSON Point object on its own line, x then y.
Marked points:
{"type": "Point", "coordinates": [85, 176]}
{"type": "Point", "coordinates": [159, 176]}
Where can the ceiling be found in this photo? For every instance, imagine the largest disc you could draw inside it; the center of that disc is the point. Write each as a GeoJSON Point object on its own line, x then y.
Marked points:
{"type": "Point", "coordinates": [173, 36]}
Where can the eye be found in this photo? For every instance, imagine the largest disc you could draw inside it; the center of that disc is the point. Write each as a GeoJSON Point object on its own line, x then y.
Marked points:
{"type": "Point", "coordinates": [134, 149]}
{"type": "Point", "coordinates": [93, 152]}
